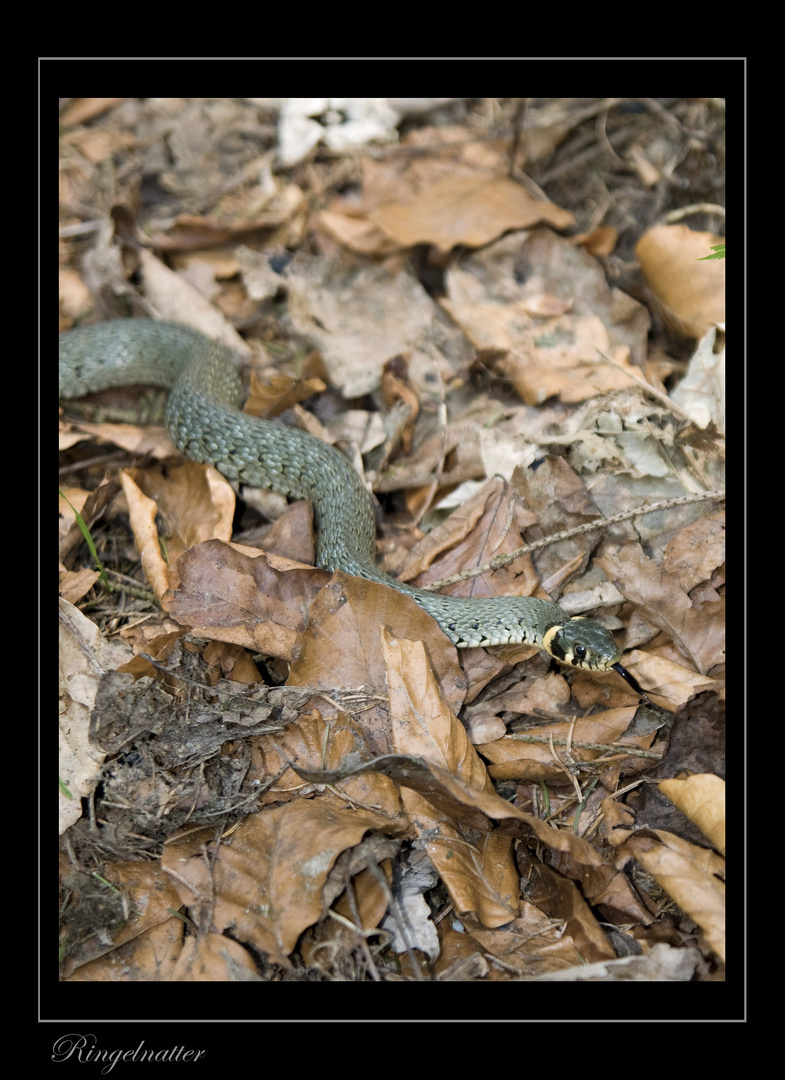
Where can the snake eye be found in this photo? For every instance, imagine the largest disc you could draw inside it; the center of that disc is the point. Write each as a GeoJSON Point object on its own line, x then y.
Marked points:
{"type": "Point", "coordinates": [579, 652]}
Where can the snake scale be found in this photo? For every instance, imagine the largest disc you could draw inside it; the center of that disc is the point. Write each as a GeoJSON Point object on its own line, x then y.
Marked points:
{"type": "Point", "coordinates": [205, 421]}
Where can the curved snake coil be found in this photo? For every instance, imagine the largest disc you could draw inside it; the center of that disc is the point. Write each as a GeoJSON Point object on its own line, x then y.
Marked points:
{"type": "Point", "coordinates": [204, 419]}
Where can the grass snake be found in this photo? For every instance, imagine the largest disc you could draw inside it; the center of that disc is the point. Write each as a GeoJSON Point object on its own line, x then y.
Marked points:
{"type": "Point", "coordinates": [206, 423]}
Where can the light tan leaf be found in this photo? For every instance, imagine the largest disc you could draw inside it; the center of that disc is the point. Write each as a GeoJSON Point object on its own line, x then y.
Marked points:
{"type": "Point", "coordinates": [479, 871]}
{"type": "Point", "coordinates": [83, 655]}
{"type": "Point", "coordinates": [469, 209]}
{"type": "Point", "coordinates": [214, 958]}
{"type": "Point", "coordinates": [279, 393]}
{"type": "Point", "coordinates": [701, 798]}
{"type": "Point", "coordinates": [696, 626]}
{"type": "Point", "coordinates": [690, 293]}
{"type": "Point", "coordinates": [245, 597]}
{"type": "Point", "coordinates": [193, 502]}
{"type": "Point", "coordinates": [267, 880]}
{"type": "Point", "coordinates": [483, 528]}
{"type": "Point", "coordinates": [423, 725]}
{"type": "Point", "coordinates": [693, 876]}
{"type": "Point", "coordinates": [513, 758]}
{"type": "Point", "coordinates": [342, 645]}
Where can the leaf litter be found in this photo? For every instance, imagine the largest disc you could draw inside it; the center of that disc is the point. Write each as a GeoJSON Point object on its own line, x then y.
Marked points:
{"type": "Point", "coordinates": [291, 747]}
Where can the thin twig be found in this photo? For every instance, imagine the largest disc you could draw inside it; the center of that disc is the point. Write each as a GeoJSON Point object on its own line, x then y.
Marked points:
{"type": "Point", "coordinates": [578, 530]}
{"type": "Point", "coordinates": [610, 748]}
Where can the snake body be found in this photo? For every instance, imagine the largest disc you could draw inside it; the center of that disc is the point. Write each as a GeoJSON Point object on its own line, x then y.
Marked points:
{"type": "Point", "coordinates": [206, 423]}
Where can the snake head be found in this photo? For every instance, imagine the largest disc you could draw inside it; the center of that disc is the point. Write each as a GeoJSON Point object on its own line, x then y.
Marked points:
{"type": "Point", "coordinates": [582, 643]}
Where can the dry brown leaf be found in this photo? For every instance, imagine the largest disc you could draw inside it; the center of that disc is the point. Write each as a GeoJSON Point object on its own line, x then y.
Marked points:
{"type": "Point", "coordinates": [696, 624]}
{"type": "Point", "coordinates": [423, 724]}
{"type": "Point", "coordinates": [690, 293]}
{"type": "Point", "coordinates": [361, 429]}
{"type": "Point", "coordinates": [279, 393]}
{"type": "Point", "coordinates": [146, 939]}
{"type": "Point", "coordinates": [74, 296]}
{"type": "Point", "coordinates": [663, 964]}
{"type": "Point", "coordinates": [478, 531]}
{"type": "Point", "coordinates": [532, 944]}
{"type": "Point", "coordinates": [601, 241]}
{"type": "Point", "coordinates": [151, 957]}
{"type": "Point", "coordinates": [693, 876]}
{"type": "Point", "coordinates": [314, 745]}
{"type": "Point", "coordinates": [543, 305]}
{"type": "Point", "coordinates": [461, 813]}
{"type": "Point", "coordinates": [143, 513]}
{"type": "Point", "coordinates": [445, 747]}
{"type": "Point", "coordinates": [77, 584]}
{"type": "Point", "coordinates": [535, 696]}
{"type": "Point", "coordinates": [669, 682]}
{"type": "Point", "coordinates": [83, 655]}
{"type": "Point", "coordinates": [173, 297]}
{"type": "Point", "coordinates": [267, 880]}
{"type": "Point", "coordinates": [330, 938]}
{"type": "Point", "coordinates": [701, 798]}
{"type": "Point", "coordinates": [233, 662]}
{"type": "Point", "coordinates": [564, 360]}
{"type": "Point", "coordinates": [559, 898]}
{"type": "Point", "coordinates": [460, 957]}
{"type": "Point", "coordinates": [192, 232]}
{"type": "Point", "coordinates": [290, 535]}
{"type": "Point", "coordinates": [360, 318]}
{"type": "Point", "coordinates": [470, 209]}
{"type": "Point", "coordinates": [450, 797]}
{"type": "Point", "coordinates": [557, 356]}
{"type": "Point", "coordinates": [80, 110]}
{"type": "Point", "coordinates": [447, 458]}
{"type": "Point", "coordinates": [599, 879]}
{"type": "Point", "coordinates": [557, 498]}
{"type": "Point", "coordinates": [514, 759]}
{"type": "Point", "coordinates": [696, 551]}
{"type": "Point", "coordinates": [702, 393]}
{"type": "Point", "coordinates": [479, 872]}
{"type": "Point", "coordinates": [489, 293]}
{"type": "Point", "coordinates": [142, 441]}
{"type": "Point", "coordinates": [399, 393]}
{"type": "Point", "coordinates": [357, 233]}
{"type": "Point", "coordinates": [341, 647]}
{"type": "Point", "coordinates": [248, 598]}
{"type": "Point", "coordinates": [194, 502]}
{"type": "Point", "coordinates": [444, 781]}
{"type": "Point", "coordinates": [213, 958]}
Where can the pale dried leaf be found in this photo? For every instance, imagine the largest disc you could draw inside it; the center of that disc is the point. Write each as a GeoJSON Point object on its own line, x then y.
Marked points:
{"type": "Point", "coordinates": [693, 876]}
{"type": "Point", "coordinates": [696, 626]}
{"type": "Point", "coordinates": [701, 798]}
{"type": "Point", "coordinates": [245, 597]}
{"type": "Point", "coordinates": [83, 656]}
{"type": "Point", "coordinates": [470, 209]}
{"type": "Point", "coordinates": [267, 880]}
{"type": "Point", "coordinates": [691, 293]}
{"type": "Point", "coordinates": [213, 958]}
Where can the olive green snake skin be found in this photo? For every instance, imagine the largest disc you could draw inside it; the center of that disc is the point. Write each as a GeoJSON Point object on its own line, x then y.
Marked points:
{"type": "Point", "coordinates": [204, 419]}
